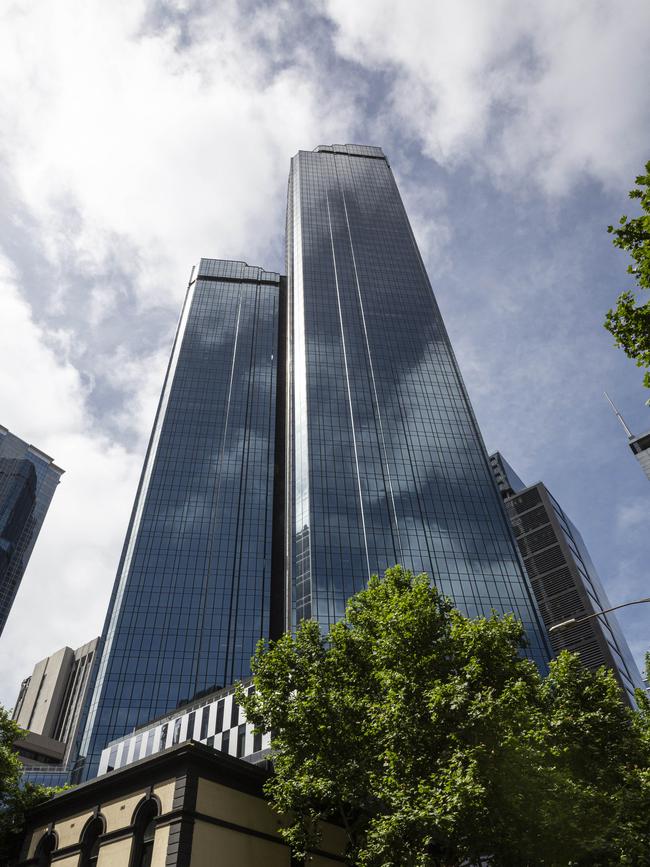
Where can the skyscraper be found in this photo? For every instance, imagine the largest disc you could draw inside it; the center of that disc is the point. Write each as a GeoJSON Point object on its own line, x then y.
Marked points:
{"type": "Point", "coordinates": [385, 460]}
{"type": "Point", "coordinates": [563, 577]}
{"type": "Point", "coordinates": [192, 594]}
{"type": "Point", "coordinates": [28, 479]}
{"type": "Point", "coordinates": [310, 432]}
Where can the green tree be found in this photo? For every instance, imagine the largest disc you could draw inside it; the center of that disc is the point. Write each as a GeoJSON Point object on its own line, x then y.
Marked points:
{"type": "Point", "coordinates": [629, 322]}
{"type": "Point", "coordinates": [431, 740]}
{"type": "Point", "coordinates": [15, 799]}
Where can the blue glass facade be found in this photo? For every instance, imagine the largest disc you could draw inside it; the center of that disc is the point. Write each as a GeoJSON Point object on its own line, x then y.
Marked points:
{"type": "Point", "coordinates": [192, 594]}
{"type": "Point", "coordinates": [28, 479]}
{"type": "Point", "coordinates": [385, 460]}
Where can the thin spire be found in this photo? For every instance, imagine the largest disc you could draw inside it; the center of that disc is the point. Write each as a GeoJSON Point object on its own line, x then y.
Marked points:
{"type": "Point", "coordinates": [629, 433]}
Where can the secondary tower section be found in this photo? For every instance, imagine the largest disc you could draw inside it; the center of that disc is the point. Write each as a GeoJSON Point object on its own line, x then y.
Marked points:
{"type": "Point", "coordinates": [193, 591]}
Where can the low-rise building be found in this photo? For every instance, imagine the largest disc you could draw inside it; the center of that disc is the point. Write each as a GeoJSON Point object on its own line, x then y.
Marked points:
{"type": "Point", "coordinates": [188, 806]}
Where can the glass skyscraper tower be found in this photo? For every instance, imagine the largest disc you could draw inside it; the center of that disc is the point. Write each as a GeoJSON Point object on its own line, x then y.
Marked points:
{"type": "Point", "coordinates": [311, 431]}
{"type": "Point", "coordinates": [386, 462]}
{"type": "Point", "coordinates": [193, 590]}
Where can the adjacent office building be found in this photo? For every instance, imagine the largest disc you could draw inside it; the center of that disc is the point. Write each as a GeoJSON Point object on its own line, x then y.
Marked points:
{"type": "Point", "coordinates": [49, 704]}
{"type": "Point", "coordinates": [311, 432]}
{"type": "Point", "coordinates": [28, 479]}
{"type": "Point", "coordinates": [639, 445]}
{"type": "Point", "coordinates": [190, 805]}
{"type": "Point", "coordinates": [563, 577]}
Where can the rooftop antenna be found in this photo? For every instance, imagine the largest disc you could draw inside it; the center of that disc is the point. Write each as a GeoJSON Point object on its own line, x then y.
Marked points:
{"type": "Point", "coordinates": [629, 433]}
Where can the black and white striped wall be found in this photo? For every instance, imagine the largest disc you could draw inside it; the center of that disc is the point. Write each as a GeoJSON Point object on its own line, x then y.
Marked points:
{"type": "Point", "coordinates": [215, 720]}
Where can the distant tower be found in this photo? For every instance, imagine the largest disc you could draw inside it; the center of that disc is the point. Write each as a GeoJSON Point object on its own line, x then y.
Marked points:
{"type": "Point", "coordinates": [28, 478]}
{"type": "Point", "coordinates": [640, 445]}
{"type": "Point", "coordinates": [563, 577]}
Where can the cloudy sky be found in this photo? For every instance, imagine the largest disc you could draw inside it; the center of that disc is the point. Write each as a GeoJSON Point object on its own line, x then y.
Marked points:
{"type": "Point", "coordinates": [138, 136]}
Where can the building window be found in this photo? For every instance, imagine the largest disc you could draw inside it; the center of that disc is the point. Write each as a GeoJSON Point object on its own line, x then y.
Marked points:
{"type": "Point", "coordinates": [204, 722]}
{"type": "Point", "coordinates": [90, 842]}
{"type": "Point", "coordinates": [112, 756]}
{"type": "Point", "coordinates": [190, 725]}
{"type": "Point", "coordinates": [46, 845]}
{"type": "Point", "coordinates": [241, 740]}
{"type": "Point", "coordinates": [234, 713]}
{"type": "Point", "coordinates": [143, 834]}
{"type": "Point", "coordinates": [219, 725]}
{"type": "Point", "coordinates": [225, 741]}
{"type": "Point", "coordinates": [177, 731]}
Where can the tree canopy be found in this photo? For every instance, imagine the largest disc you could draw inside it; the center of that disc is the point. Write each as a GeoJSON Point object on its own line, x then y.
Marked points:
{"type": "Point", "coordinates": [432, 740]}
{"type": "Point", "coordinates": [15, 798]}
{"type": "Point", "coordinates": [629, 321]}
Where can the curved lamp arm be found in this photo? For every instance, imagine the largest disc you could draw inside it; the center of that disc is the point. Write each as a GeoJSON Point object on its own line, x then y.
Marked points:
{"type": "Point", "coordinates": [573, 620]}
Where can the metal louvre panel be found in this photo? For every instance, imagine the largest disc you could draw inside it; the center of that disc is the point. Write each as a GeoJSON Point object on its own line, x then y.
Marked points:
{"type": "Point", "coordinates": [547, 560]}
{"type": "Point", "coordinates": [553, 582]}
{"type": "Point", "coordinates": [527, 522]}
{"type": "Point", "coordinates": [537, 540]}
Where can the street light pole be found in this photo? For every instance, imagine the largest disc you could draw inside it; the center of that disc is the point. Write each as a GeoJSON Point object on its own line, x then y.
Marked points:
{"type": "Point", "coordinates": [572, 620]}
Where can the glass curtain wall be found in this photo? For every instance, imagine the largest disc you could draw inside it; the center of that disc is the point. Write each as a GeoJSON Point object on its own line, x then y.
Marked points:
{"type": "Point", "coordinates": [387, 464]}
{"type": "Point", "coordinates": [192, 594]}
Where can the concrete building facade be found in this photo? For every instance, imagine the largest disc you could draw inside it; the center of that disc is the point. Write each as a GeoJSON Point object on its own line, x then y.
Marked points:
{"type": "Point", "coordinates": [50, 702]}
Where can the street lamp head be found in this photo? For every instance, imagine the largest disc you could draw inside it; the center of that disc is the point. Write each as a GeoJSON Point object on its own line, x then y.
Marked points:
{"type": "Point", "coordinates": [562, 624]}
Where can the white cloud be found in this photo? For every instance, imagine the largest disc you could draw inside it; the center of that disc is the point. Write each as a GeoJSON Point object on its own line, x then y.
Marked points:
{"type": "Point", "coordinates": [64, 593]}
{"type": "Point", "coordinates": [181, 150]}
{"type": "Point", "coordinates": [140, 378]}
{"type": "Point", "coordinates": [546, 91]}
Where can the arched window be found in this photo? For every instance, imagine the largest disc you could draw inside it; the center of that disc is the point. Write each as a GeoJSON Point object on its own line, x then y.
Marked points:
{"type": "Point", "coordinates": [90, 842]}
{"type": "Point", "coordinates": [46, 845]}
{"type": "Point", "coordinates": [144, 829]}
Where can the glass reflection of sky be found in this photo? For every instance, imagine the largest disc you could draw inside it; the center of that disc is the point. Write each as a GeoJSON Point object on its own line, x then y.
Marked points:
{"type": "Point", "coordinates": [389, 465]}
{"type": "Point", "coordinates": [192, 594]}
